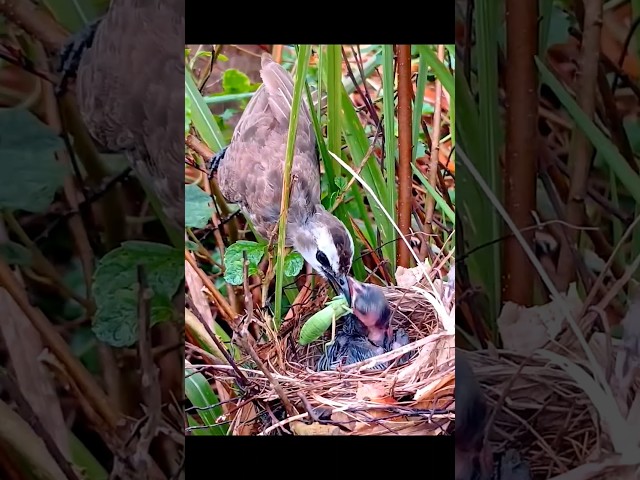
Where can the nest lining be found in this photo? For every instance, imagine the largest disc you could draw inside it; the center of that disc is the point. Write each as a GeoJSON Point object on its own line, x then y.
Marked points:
{"type": "Point", "coordinates": [545, 416]}
{"type": "Point", "coordinates": [409, 399]}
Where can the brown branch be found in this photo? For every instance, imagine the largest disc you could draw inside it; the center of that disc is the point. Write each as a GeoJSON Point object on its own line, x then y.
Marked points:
{"type": "Point", "coordinates": [435, 152]}
{"type": "Point", "coordinates": [52, 339]}
{"type": "Point", "coordinates": [243, 338]}
{"type": "Point", "coordinates": [520, 161]}
{"type": "Point", "coordinates": [36, 21]}
{"type": "Point", "coordinates": [405, 151]}
{"type": "Point", "coordinates": [149, 372]}
{"type": "Point", "coordinates": [222, 304]}
{"type": "Point", "coordinates": [29, 415]}
{"type": "Point", "coordinates": [581, 149]}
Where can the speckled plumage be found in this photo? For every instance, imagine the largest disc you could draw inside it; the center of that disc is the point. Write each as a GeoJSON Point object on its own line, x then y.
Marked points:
{"type": "Point", "coordinates": [351, 345]}
{"type": "Point", "coordinates": [129, 88]}
{"type": "Point", "coordinates": [366, 333]}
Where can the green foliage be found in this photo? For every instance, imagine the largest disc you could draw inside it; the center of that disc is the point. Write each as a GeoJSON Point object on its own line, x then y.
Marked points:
{"type": "Point", "coordinates": [31, 175]}
{"type": "Point", "coordinates": [233, 260]}
{"type": "Point", "coordinates": [116, 293]}
{"type": "Point", "coordinates": [234, 81]}
{"type": "Point", "coordinates": [197, 207]}
{"type": "Point", "coordinates": [293, 263]}
{"type": "Point", "coordinates": [200, 394]}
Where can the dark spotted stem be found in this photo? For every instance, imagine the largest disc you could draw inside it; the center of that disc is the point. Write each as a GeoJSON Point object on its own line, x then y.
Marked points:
{"type": "Point", "coordinates": [301, 73]}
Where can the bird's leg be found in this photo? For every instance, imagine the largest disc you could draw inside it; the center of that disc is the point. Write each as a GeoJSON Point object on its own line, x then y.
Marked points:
{"type": "Point", "coordinates": [71, 54]}
{"type": "Point", "coordinates": [214, 162]}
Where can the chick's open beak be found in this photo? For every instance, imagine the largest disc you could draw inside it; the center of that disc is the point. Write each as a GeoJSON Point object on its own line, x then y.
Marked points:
{"type": "Point", "coordinates": [340, 284]}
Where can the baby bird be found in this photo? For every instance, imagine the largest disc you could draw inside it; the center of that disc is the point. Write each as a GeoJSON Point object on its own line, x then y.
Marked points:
{"type": "Point", "coordinates": [366, 333]}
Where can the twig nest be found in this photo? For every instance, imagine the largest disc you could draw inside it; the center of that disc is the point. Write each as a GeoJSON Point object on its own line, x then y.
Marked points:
{"type": "Point", "coordinates": [412, 399]}
{"type": "Point", "coordinates": [554, 415]}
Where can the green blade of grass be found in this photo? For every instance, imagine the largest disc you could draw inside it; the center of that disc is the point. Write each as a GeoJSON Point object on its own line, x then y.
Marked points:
{"type": "Point", "coordinates": [334, 85]}
{"type": "Point", "coordinates": [423, 70]}
{"type": "Point", "coordinates": [390, 143]}
{"type": "Point", "coordinates": [441, 202]}
{"type": "Point", "coordinates": [201, 116]}
{"type": "Point", "coordinates": [358, 144]}
{"type": "Point", "coordinates": [301, 74]}
{"type": "Point", "coordinates": [601, 143]}
{"type": "Point", "coordinates": [200, 394]}
{"type": "Point", "coordinates": [330, 165]}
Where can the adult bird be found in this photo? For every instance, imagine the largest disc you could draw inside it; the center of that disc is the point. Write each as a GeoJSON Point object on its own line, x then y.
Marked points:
{"type": "Point", "coordinates": [250, 172]}
{"type": "Point", "coordinates": [129, 84]}
{"type": "Point", "coordinates": [366, 333]}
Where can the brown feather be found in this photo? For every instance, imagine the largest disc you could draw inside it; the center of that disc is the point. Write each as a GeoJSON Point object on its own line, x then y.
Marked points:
{"type": "Point", "coordinates": [129, 93]}
{"type": "Point", "coordinates": [251, 171]}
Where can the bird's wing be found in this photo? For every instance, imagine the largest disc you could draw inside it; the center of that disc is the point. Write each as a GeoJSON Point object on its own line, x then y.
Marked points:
{"type": "Point", "coordinates": [252, 169]}
{"type": "Point", "coordinates": [139, 114]}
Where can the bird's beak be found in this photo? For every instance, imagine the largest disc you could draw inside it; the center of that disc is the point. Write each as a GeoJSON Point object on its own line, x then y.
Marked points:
{"type": "Point", "coordinates": [341, 285]}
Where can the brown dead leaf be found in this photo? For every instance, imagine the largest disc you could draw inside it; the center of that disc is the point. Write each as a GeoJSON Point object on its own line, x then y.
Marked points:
{"type": "Point", "coordinates": [243, 423]}
{"type": "Point", "coordinates": [25, 346]}
{"type": "Point", "coordinates": [370, 391]}
{"type": "Point", "coordinates": [436, 386]}
{"type": "Point", "coordinates": [300, 428]}
{"type": "Point", "coordinates": [194, 282]}
{"type": "Point", "coordinates": [345, 420]}
{"type": "Point", "coordinates": [524, 330]}
{"type": "Point", "coordinates": [408, 277]}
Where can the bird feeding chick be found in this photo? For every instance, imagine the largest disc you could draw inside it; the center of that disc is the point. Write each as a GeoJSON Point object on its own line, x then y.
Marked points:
{"type": "Point", "coordinates": [365, 333]}
{"type": "Point", "coordinates": [250, 173]}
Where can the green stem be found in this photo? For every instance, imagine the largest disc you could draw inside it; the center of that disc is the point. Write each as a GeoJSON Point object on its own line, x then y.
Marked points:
{"type": "Point", "coordinates": [301, 74]}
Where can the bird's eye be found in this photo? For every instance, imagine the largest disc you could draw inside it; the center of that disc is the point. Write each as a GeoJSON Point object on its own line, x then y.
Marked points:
{"type": "Point", "coordinates": [322, 258]}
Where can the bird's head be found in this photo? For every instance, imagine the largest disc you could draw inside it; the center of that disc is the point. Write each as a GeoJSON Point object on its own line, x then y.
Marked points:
{"type": "Point", "coordinates": [372, 308]}
{"type": "Point", "coordinates": [326, 244]}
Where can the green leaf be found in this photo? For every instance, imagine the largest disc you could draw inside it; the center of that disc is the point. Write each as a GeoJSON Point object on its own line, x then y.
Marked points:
{"type": "Point", "coordinates": [197, 207]}
{"type": "Point", "coordinates": [115, 289]}
{"type": "Point", "coordinates": [234, 81]}
{"type": "Point", "coordinates": [191, 246]}
{"type": "Point", "coordinates": [31, 175]}
{"type": "Point", "coordinates": [15, 254]}
{"type": "Point", "coordinates": [233, 260]}
{"type": "Point", "coordinates": [341, 182]}
{"type": "Point", "coordinates": [293, 263]}
{"type": "Point", "coordinates": [200, 394]}
{"type": "Point", "coordinates": [320, 322]}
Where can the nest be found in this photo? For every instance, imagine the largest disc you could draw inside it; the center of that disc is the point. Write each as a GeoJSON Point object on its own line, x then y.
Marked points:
{"type": "Point", "coordinates": [414, 398]}
{"type": "Point", "coordinates": [546, 415]}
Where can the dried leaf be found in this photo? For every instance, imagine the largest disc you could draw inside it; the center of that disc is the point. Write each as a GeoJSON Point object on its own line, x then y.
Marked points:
{"type": "Point", "coordinates": [524, 330]}
{"type": "Point", "coordinates": [300, 428]}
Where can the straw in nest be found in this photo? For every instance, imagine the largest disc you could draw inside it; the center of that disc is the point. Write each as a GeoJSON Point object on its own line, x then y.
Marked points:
{"type": "Point", "coordinates": [548, 416]}
{"type": "Point", "coordinates": [412, 399]}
